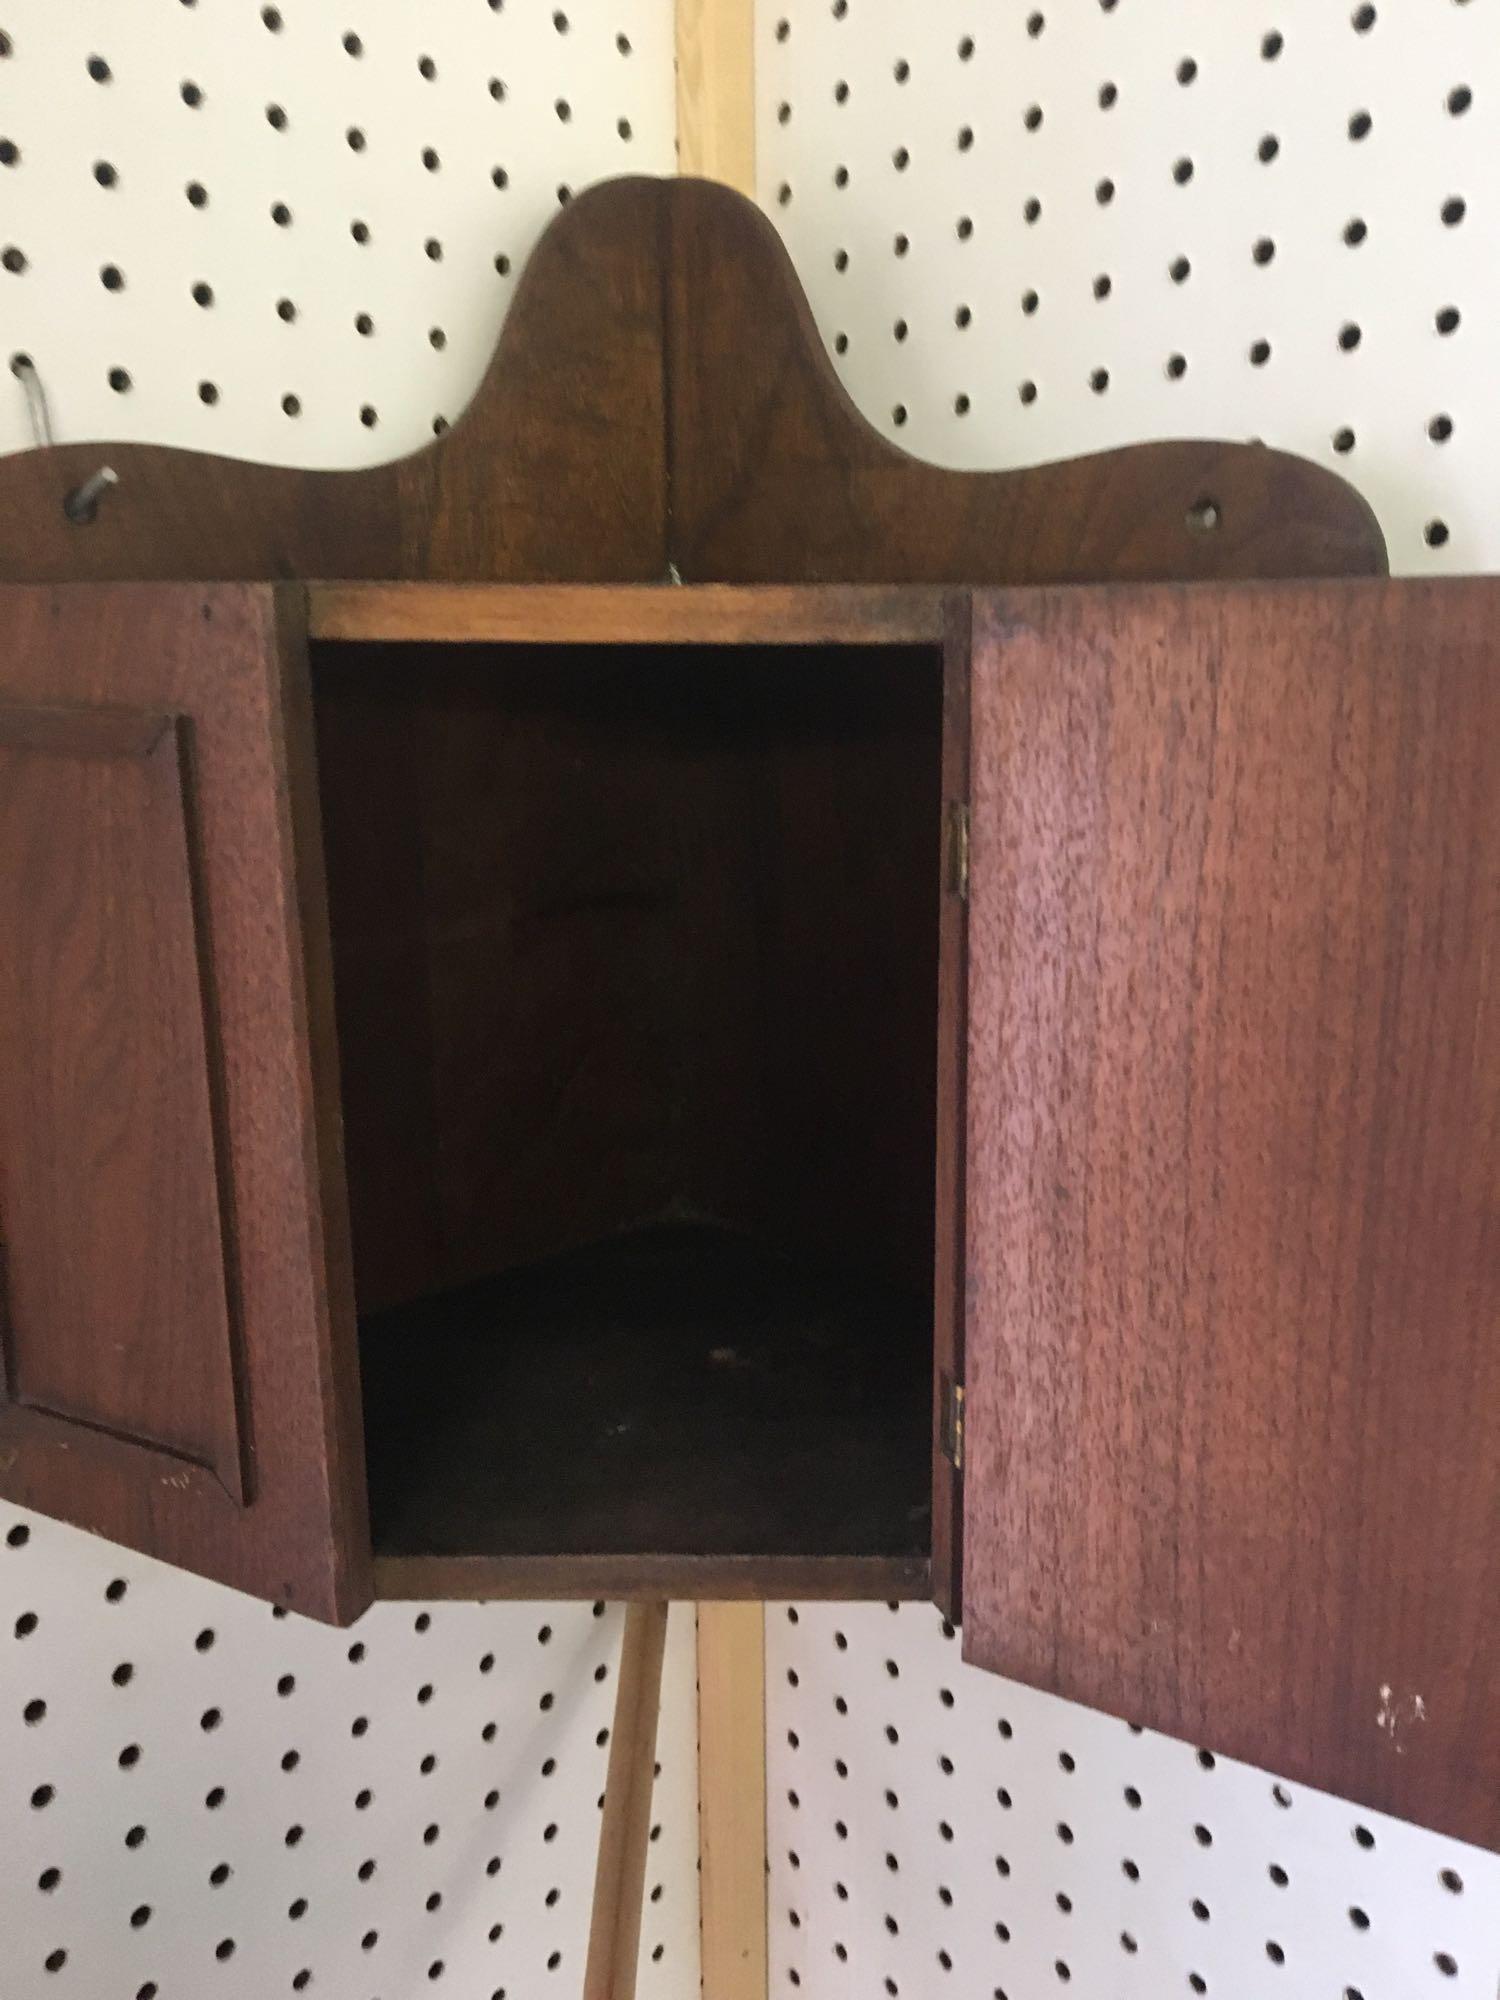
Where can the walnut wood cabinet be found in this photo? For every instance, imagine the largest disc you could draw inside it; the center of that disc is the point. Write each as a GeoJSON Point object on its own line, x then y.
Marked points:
{"type": "Point", "coordinates": [719, 1089]}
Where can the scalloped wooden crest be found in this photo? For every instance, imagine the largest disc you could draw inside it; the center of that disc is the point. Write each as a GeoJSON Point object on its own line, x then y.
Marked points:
{"type": "Point", "coordinates": [659, 398]}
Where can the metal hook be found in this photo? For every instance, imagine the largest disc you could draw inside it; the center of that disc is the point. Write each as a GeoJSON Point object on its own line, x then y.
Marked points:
{"type": "Point", "coordinates": [81, 505]}
{"type": "Point", "coordinates": [24, 369]}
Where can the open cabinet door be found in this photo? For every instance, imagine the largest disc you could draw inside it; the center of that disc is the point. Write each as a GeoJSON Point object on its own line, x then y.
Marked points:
{"type": "Point", "coordinates": [177, 1364]}
{"type": "Point", "coordinates": [1233, 1174]}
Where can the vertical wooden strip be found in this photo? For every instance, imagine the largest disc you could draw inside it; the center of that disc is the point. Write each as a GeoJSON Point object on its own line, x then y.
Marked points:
{"type": "Point", "coordinates": [953, 991]}
{"type": "Point", "coordinates": [732, 1799]}
{"type": "Point", "coordinates": [625, 1829]}
{"type": "Point", "coordinates": [716, 91]}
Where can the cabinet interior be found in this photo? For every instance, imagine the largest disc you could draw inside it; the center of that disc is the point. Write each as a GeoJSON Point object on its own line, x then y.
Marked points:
{"type": "Point", "coordinates": [636, 974]}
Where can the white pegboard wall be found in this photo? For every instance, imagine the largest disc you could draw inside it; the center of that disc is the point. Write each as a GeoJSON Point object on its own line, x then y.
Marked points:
{"type": "Point", "coordinates": [291, 232]}
{"type": "Point", "coordinates": [1037, 230]}
{"type": "Point", "coordinates": [200, 1797]}
{"type": "Point", "coordinates": [936, 1830]}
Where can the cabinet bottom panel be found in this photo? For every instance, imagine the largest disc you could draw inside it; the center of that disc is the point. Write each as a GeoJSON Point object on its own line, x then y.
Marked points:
{"type": "Point", "coordinates": [678, 1410]}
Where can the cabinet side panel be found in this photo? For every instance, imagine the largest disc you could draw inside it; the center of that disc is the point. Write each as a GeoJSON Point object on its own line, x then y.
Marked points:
{"type": "Point", "coordinates": [1234, 1100]}
{"type": "Point", "coordinates": [117, 1307]}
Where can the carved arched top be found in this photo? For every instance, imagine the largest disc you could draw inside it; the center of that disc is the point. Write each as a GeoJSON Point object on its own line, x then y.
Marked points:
{"type": "Point", "coordinates": [659, 396]}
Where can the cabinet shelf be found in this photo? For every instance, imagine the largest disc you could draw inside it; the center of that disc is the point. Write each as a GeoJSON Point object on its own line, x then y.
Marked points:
{"type": "Point", "coordinates": [680, 1393]}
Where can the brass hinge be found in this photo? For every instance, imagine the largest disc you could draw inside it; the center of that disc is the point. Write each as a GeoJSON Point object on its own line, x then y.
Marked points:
{"type": "Point", "coordinates": [958, 850]}
{"type": "Point", "coordinates": [953, 1423]}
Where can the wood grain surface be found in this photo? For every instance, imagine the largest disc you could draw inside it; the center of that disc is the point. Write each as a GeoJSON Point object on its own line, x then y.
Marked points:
{"type": "Point", "coordinates": [716, 91]}
{"type": "Point", "coordinates": [1233, 1178]}
{"type": "Point", "coordinates": [948, 1155]}
{"type": "Point", "coordinates": [625, 1822]}
{"type": "Point", "coordinates": [161, 1153]}
{"type": "Point", "coordinates": [683, 1578]}
{"type": "Point", "coordinates": [659, 395]}
{"type": "Point", "coordinates": [116, 1320]}
{"type": "Point", "coordinates": [679, 1392]}
{"type": "Point", "coordinates": [641, 925]}
{"type": "Point", "coordinates": [555, 469]}
{"type": "Point", "coordinates": [732, 1799]}
{"type": "Point", "coordinates": [775, 476]}
{"type": "Point", "coordinates": [657, 614]}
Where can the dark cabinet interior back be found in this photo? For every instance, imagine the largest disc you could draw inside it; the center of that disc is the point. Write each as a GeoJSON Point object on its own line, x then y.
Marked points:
{"type": "Point", "coordinates": [636, 960]}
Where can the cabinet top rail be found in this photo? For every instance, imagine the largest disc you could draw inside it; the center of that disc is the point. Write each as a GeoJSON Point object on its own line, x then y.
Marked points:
{"type": "Point", "coordinates": [626, 614]}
